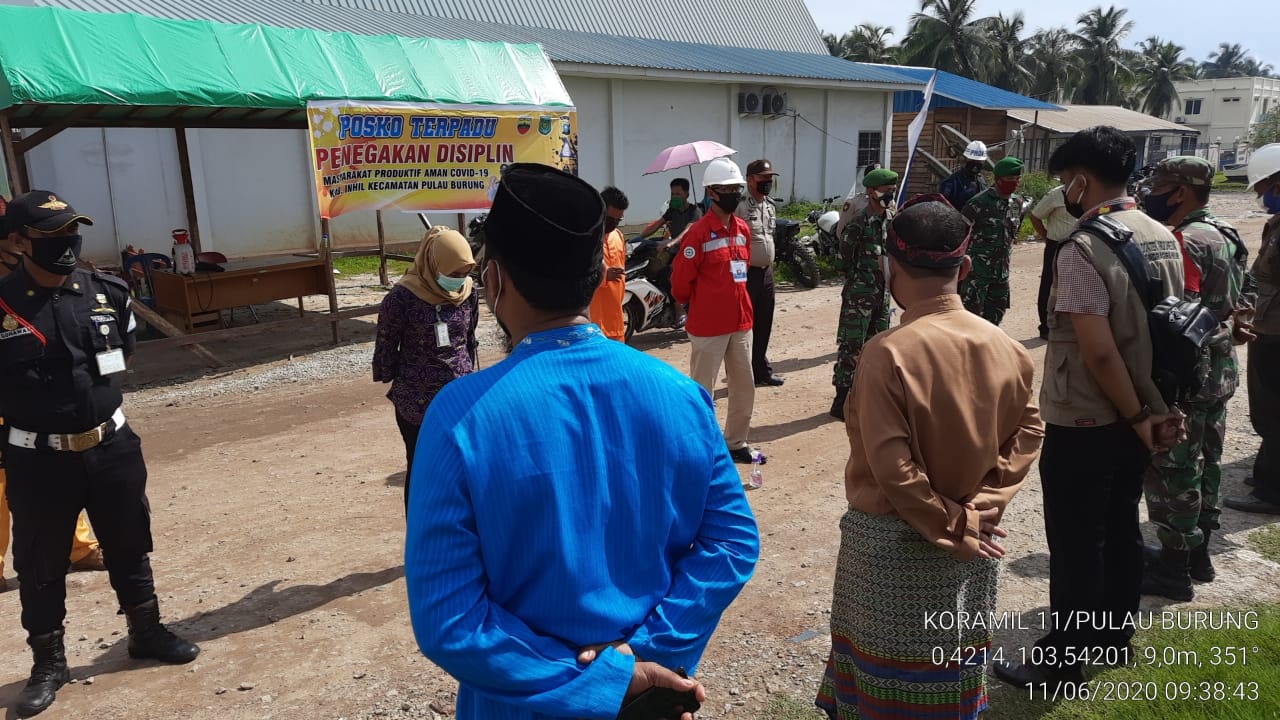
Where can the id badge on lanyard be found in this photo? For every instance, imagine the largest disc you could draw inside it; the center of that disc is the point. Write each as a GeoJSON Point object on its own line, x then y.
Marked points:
{"type": "Point", "coordinates": [739, 270]}
{"type": "Point", "coordinates": [442, 332]}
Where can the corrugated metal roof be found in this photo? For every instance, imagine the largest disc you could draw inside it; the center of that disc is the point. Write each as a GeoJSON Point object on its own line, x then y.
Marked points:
{"type": "Point", "coordinates": [1075, 118]}
{"type": "Point", "coordinates": [561, 45]}
{"type": "Point", "coordinates": [764, 24]}
{"type": "Point", "coordinates": [964, 91]}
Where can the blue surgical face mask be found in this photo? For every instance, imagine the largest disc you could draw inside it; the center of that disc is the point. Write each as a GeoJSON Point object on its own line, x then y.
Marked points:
{"type": "Point", "coordinates": [450, 284]}
{"type": "Point", "coordinates": [1271, 200]}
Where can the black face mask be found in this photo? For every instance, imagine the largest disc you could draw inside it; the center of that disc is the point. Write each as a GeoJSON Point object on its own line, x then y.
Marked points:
{"type": "Point", "coordinates": [975, 168]}
{"type": "Point", "coordinates": [728, 202]}
{"type": "Point", "coordinates": [610, 224]}
{"type": "Point", "coordinates": [764, 187]}
{"type": "Point", "coordinates": [1074, 208]}
{"type": "Point", "coordinates": [886, 199]}
{"type": "Point", "coordinates": [58, 255]}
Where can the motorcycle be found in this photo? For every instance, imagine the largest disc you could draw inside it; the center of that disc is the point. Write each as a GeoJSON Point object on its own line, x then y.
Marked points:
{"type": "Point", "coordinates": [644, 305]}
{"type": "Point", "coordinates": [825, 243]}
{"type": "Point", "coordinates": [796, 252]}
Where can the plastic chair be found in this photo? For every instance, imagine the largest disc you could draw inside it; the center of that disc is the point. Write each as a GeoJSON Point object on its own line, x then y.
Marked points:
{"type": "Point", "coordinates": [137, 272]}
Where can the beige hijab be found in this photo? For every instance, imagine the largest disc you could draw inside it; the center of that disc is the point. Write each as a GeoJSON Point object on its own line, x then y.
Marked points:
{"type": "Point", "coordinates": [443, 251]}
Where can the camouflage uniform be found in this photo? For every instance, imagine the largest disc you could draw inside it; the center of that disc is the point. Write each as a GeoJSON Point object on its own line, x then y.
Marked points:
{"type": "Point", "coordinates": [1182, 485]}
{"type": "Point", "coordinates": [985, 290]}
{"type": "Point", "coordinates": [864, 305]}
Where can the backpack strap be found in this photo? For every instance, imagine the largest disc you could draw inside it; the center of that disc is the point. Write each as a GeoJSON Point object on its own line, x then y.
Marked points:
{"type": "Point", "coordinates": [1240, 252]}
{"type": "Point", "coordinates": [1119, 238]}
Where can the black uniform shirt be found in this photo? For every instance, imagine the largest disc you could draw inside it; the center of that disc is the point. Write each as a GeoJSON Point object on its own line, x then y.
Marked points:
{"type": "Point", "coordinates": [49, 342]}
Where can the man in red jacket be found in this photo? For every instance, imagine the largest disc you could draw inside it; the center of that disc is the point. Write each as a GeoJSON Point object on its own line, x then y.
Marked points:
{"type": "Point", "coordinates": [710, 275]}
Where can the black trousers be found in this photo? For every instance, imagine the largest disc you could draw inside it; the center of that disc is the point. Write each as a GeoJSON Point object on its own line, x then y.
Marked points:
{"type": "Point", "coordinates": [1046, 282]}
{"type": "Point", "coordinates": [409, 432]}
{"type": "Point", "coordinates": [1092, 480]}
{"type": "Point", "coordinates": [760, 288]}
{"type": "Point", "coordinates": [47, 489]}
{"type": "Point", "coordinates": [1264, 413]}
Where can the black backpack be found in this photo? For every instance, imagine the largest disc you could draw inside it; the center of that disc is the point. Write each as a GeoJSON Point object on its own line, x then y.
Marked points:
{"type": "Point", "coordinates": [1179, 328]}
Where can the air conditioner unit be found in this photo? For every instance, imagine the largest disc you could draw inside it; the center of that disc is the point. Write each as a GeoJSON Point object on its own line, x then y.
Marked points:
{"type": "Point", "coordinates": [748, 103]}
{"type": "Point", "coordinates": [1179, 119]}
{"type": "Point", "coordinates": [775, 104]}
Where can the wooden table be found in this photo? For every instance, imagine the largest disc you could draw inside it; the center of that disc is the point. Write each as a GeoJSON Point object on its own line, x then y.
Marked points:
{"type": "Point", "coordinates": [191, 301]}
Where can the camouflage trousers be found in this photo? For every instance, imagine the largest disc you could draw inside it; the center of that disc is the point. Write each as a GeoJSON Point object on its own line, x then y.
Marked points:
{"type": "Point", "coordinates": [1182, 484]}
{"type": "Point", "coordinates": [987, 297]}
{"type": "Point", "coordinates": [862, 315]}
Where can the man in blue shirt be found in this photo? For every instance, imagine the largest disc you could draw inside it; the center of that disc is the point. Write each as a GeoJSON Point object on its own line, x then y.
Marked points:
{"type": "Point", "coordinates": [565, 551]}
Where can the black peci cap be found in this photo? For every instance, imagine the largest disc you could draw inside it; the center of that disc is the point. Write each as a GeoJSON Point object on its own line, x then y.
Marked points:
{"type": "Point", "coordinates": [546, 221]}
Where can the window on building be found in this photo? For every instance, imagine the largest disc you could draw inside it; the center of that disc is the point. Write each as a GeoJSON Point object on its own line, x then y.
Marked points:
{"type": "Point", "coordinates": [1193, 107]}
{"type": "Point", "coordinates": [868, 148]}
{"type": "Point", "coordinates": [1231, 100]}
{"type": "Point", "coordinates": [1188, 145]}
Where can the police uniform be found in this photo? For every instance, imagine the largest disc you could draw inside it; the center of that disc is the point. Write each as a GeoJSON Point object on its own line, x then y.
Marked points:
{"type": "Point", "coordinates": [70, 448]}
{"type": "Point", "coordinates": [761, 216]}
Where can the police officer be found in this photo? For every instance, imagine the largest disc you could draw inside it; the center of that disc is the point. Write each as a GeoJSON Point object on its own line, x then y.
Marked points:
{"type": "Point", "coordinates": [758, 210]}
{"type": "Point", "coordinates": [66, 335]}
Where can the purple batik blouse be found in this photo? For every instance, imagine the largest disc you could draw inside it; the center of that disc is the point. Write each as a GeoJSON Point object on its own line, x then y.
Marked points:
{"type": "Point", "coordinates": [406, 355]}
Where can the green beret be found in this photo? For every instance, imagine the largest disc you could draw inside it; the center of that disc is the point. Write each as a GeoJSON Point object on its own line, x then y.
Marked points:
{"type": "Point", "coordinates": [880, 178]}
{"type": "Point", "coordinates": [1008, 166]}
{"type": "Point", "coordinates": [1184, 170]}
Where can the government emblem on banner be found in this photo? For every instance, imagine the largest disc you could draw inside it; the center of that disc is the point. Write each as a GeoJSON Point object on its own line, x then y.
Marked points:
{"type": "Point", "coordinates": [524, 124]}
{"type": "Point", "coordinates": [544, 124]}
{"type": "Point", "coordinates": [9, 323]}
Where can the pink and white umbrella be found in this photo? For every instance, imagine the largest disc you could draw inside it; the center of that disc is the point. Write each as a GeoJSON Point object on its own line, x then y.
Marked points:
{"type": "Point", "coordinates": [688, 155]}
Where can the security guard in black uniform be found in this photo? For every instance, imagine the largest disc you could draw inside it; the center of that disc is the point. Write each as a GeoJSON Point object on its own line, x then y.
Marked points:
{"type": "Point", "coordinates": [65, 335]}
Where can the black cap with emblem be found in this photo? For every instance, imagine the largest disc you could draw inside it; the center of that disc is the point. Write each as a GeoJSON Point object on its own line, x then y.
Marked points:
{"type": "Point", "coordinates": [42, 210]}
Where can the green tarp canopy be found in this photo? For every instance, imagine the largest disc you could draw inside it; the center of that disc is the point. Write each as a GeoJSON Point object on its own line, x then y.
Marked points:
{"type": "Point", "coordinates": [70, 67]}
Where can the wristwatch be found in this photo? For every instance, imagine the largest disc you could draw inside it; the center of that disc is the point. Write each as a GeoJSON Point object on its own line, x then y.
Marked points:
{"type": "Point", "coordinates": [1143, 414]}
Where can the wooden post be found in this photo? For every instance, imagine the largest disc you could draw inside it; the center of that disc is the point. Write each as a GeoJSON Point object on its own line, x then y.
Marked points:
{"type": "Point", "coordinates": [188, 188]}
{"type": "Point", "coordinates": [382, 250]}
{"type": "Point", "coordinates": [326, 252]}
{"type": "Point", "coordinates": [168, 329]}
{"type": "Point", "coordinates": [16, 183]}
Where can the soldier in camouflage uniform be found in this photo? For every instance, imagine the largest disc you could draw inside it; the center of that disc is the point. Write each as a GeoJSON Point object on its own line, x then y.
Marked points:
{"type": "Point", "coordinates": [985, 290]}
{"type": "Point", "coordinates": [1182, 484]}
{"type": "Point", "coordinates": [864, 305]}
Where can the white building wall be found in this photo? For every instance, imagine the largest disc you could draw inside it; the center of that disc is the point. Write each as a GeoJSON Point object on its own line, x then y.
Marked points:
{"type": "Point", "coordinates": [1220, 115]}
{"type": "Point", "coordinates": [254, 195]}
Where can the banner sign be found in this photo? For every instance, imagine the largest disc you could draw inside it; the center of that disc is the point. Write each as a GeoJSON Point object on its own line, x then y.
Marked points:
{"type": "Point", "coordinates": [425, 157]}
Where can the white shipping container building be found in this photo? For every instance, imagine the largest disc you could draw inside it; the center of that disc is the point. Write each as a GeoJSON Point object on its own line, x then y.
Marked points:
{"type": "Point", "coordinates": [639, 85]}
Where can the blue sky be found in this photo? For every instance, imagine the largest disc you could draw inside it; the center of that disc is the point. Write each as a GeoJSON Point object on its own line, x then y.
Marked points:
{"type": "Point", "coordinates": [1195, 26]}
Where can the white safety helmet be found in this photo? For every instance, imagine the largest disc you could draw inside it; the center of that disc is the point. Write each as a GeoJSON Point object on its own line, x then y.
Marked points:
{"type": "Point", "coordinates": [722, 171]}
{"type": "Point", "coordinates": [976, 150]}
{"type": "Point", "coordinates": [1264, 163]}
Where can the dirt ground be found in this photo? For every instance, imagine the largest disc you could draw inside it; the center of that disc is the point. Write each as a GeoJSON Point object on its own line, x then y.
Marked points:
{"type": "Point", "coordinates": [276, 491]}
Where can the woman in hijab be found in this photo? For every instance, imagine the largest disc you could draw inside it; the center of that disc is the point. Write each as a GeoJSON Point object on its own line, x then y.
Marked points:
{"type": "Point", "coordinates": [427, 331]}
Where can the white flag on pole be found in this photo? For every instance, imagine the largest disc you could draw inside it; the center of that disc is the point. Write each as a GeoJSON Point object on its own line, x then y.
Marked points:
{"type": "Point", "coordinates": [913, 134]}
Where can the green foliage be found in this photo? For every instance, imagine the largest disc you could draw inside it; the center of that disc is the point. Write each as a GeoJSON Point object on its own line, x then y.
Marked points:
{"type": "Point", "coordinates": [368, 265]}
{"type": "Point", "coordinates": [1037, 185]}
{"type": "Point", "coordinates": [1267, 542]}
{"type": "Point", "coordinates": [798, 210]}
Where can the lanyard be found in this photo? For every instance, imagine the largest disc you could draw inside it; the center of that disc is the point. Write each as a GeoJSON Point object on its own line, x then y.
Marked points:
{"type": "Point", "coordinates": [1112, 206]}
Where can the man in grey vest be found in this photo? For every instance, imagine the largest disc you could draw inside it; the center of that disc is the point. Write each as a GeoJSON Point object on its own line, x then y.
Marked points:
{"type": "Point", "coordinates": [1103, 416]}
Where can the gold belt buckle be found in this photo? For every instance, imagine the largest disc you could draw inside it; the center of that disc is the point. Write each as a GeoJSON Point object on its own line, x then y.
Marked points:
{"type": "Point", "coordinates": [86, 440]}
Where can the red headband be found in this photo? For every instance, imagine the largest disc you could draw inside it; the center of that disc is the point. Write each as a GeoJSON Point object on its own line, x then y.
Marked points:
{"type": "Point", "coordinates": [922, 257]}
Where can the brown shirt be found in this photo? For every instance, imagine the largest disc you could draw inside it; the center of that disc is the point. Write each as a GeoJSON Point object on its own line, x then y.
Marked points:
{"type": "Point", "coordinates": [941, 414]}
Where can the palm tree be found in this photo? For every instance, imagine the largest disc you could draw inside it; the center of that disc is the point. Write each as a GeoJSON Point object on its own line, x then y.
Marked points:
{"type": "Point", "coordinates": [1229, 60]}
{"type": "Point", "coordinates": [946, 36]}
{"type": "Point", "coordinates": [1053, 57]}
{"type": "Point", "coordinates": [1009, 64]}
{"type": "Point", "coordinates": [1160, 65]}
{"type": "Point", "coordinates": [1253, 68]}
{"type": "Point", "coordinates": [869, 43]}
{"type": "Point", "coordinates": [834, 44]}
{"type": "Point", "coordinates": [1101, 58]}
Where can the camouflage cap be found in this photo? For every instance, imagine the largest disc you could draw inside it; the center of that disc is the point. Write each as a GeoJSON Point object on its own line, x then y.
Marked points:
{"type": "Point", "coordinates": [1183, 170]}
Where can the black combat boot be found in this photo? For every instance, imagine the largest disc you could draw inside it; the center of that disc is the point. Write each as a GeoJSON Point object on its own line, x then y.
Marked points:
{"type": "Point", "coordinates": [47, 674]}
{"type": "Point", "coordinates": [1201, 564]}
{"type": "Point", "coordinates": [837, 405]}
{"type": "Point", "coordinates": [1169, 577]}
{"type": "Point", "coordinates": [148, 639]}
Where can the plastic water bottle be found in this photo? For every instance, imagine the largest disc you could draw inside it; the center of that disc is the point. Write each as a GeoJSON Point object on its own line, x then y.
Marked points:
{"type": "Point", "coordinates": [184, 258]}
{"type": "Point", "coordinates": [757, 474]}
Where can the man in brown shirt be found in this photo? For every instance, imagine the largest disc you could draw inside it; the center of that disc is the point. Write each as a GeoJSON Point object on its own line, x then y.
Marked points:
{"type": "Point", "coordinates": [943, 428]}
